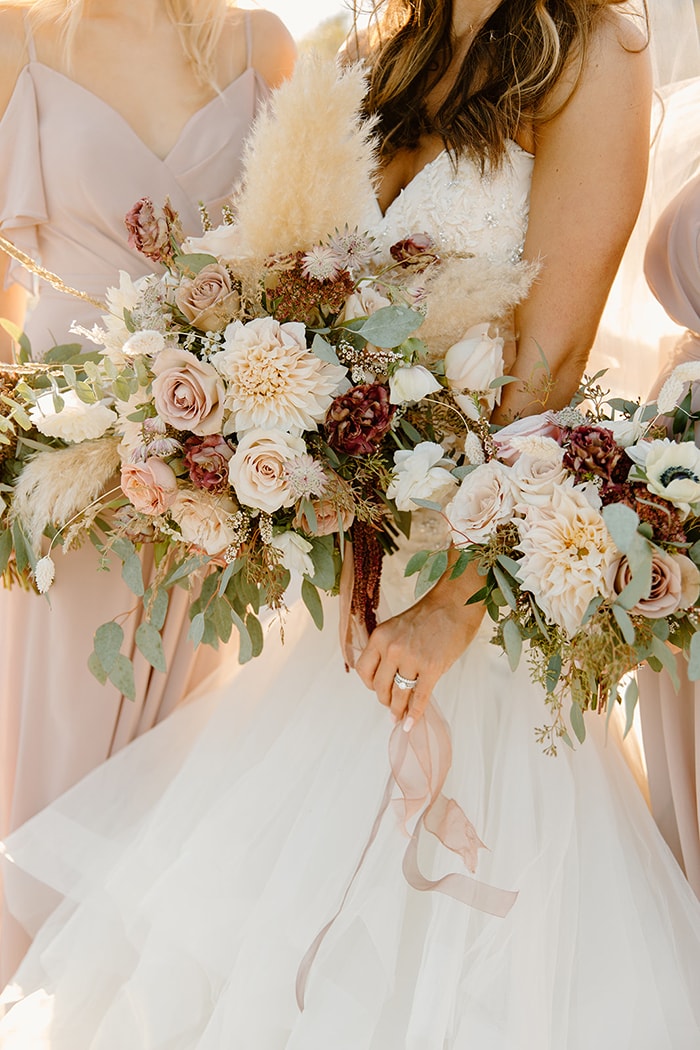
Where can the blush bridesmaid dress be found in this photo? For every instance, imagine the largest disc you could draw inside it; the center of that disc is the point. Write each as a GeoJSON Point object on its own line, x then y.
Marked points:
{"type": "Point", "coordinates": [70, 168]}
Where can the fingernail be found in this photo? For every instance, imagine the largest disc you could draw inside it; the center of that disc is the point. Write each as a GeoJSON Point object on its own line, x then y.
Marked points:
{"type": "Point", "coordinates": [408, 725]}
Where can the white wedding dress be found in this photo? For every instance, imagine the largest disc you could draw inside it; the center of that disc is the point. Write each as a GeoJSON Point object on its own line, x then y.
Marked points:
{"type": "Point", "coordinates": [198, 865]}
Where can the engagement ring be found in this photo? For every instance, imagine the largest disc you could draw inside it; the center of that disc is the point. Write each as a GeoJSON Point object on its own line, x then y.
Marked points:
{"type": "Point", "coordinates": [404, 683]}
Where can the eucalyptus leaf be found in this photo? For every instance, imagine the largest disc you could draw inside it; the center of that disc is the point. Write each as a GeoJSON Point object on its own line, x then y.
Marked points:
{"type": "Point", "coordinates": [621, 523]}
{"type": "Point", "coordinates": [630, 700]}
{"type": "Point", "coordinates": [5, 548]}
{"type": "Point", "coordinates": [228, 572]}
{"type": "Point", "coordinates": [96, 669]}
{"type": "Point", "coordinates": [255, 632]}
{"type": "Point", "coordinates": [122, 676]}
{"type": "Point", "coordinates": [426, 503]}
{"type": "Point", "coordinates": [389, 326]}
{"type": "Point", "coordinates": [416, 562]}
{"type": "Point", "coordinates": [324, 563]}
{"type": "Point", "coordinates": [132, 574]}
{"type": "Point", "coordinates": [667, 659]}
{"type": "Point", "coordinates": [577, 722]}
{"type": "Point", "coordinates": [513, 641]}
{"type": "Point", "coordinates": [505, 587]}
{"type": "Point", "coordinates": [553, 672]}
{"type": "Point", "coordinates": [312, 602]}
{"type": "Point", "coordinates": [150, 645]}
{"type": "Point", "coordinates": [24, 555]}
{"type": "Point", "coordinates": [196, 631]}
{"type": "Point", "coordinates": [194, 262]}
{"type": "Point", "coordinates": [108, 641]}
{"type": "Point", "coordinates": [694, 658]}
{"type": "Point", "coordinates": [159, 608]}
{"type": "Point", "coordinates": [245, 644]}
{"type": "Point", "coordinates": [322, 349]}
{"type": "Point", "coordinates": [624, 623]}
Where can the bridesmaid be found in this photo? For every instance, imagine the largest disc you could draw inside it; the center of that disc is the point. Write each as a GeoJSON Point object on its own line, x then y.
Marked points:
{"type": "Point", "coordinates": [103, 102]}
{"type": "Point", "coordinates": [670, 720]}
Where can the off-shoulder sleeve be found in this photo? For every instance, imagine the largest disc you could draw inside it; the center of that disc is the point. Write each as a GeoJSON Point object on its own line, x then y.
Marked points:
{"type": "Point", "coordinates": [672, 260]}
{"type": "Point", "coordinates": [22, 198]}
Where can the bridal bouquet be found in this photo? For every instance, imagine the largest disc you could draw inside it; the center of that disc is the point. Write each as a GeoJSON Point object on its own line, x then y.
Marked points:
{"type": "Point", "coordinates": [246, 401]}
{"type": "Point", "coordinates": [585, 525]}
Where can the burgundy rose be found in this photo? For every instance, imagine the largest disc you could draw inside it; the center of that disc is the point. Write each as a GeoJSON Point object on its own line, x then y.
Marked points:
{"type": "Point", "coordinates": [207, 462]}
{"type": "Point", "coordinates": [358, 420]}
{"type": "Point", "coordinates": [593, 451]}
{"type": "Point", "coordinates": [150, 233]}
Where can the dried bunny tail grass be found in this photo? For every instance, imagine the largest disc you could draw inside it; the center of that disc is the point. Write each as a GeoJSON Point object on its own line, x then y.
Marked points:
{"type": "Point", "coordinates": [468, 291]}
{"type": "Point", "coordinates": [310, 163]}
{"type": "Point", "coordinates": [59, 483]}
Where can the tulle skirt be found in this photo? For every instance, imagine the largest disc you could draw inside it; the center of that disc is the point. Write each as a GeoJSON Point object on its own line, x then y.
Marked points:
{"type": "Point", "coordinates": [197, 866]}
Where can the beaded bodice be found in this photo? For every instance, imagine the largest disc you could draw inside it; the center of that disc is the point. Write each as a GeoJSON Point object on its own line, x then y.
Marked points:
{"type": "Point", "coordinates": [464, 210]}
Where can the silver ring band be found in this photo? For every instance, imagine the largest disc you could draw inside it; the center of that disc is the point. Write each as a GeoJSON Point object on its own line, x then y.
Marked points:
{"type": "Point", "coordinates": [404, 683]}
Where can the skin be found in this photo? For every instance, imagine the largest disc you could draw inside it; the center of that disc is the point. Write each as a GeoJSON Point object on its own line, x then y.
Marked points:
{"type": "Point", "coordinates": [587, 186]}
{"type": "Point", "coordinates": [125, 52]}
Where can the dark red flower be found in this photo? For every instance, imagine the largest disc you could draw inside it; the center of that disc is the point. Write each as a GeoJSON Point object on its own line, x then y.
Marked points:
{"type": "Point", "coordinates": [414, 251]}
{"type": "Point", "coordinates": [358, 420]}
{"type": "Point", "coordinates": [206, 459]}
{"type": "Point", "coordinates": [592, 450]}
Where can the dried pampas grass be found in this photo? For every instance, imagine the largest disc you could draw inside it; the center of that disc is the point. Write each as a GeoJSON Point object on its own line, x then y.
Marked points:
{"type": "Point", "coordinates": [309, 164]}
{"type": "Point", "coordinates": [469, 291]}
{"type": "Point", "coordinates": [59, 483]}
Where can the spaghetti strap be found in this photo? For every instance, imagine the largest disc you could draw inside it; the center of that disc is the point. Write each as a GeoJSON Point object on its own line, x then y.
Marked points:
{"type": "Point", "coordinates": [248, 41]}
{"type": "Point", "coordinates": [29, 39]}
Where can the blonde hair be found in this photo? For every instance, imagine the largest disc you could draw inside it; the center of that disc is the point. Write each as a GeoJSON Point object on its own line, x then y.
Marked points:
{"type": "Point", "coordinates": [508, 75]}
{"type": "Point", "coordinates": [199, 24]}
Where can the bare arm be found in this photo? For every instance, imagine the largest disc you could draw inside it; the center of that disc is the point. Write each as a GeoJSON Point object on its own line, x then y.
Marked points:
{"type": "Point", "coordinates": [587, 186]}
{"type": "Point", "coordinates": [274, 50]}
{"type": "Point", "coordinates": [588, 182]}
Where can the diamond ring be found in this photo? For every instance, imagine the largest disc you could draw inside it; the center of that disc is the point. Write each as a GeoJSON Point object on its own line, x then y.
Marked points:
{"type": "Point", "coordinates": [404, 683]}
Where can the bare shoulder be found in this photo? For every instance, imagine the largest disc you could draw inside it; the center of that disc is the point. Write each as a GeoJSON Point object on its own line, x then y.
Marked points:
{"type": "Point", "coordinates": [274, 50]}
{"type": "Point", "coordinates": [13, 50]}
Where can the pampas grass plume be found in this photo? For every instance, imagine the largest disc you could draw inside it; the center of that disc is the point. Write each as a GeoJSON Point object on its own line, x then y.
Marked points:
{"type": "Point", "coordinates": [310, 162]}
{"type": "Point", "coordinates": [59, 483]}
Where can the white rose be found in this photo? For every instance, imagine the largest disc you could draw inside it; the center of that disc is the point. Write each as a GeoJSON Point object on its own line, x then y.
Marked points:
{"type": "Point", "coordinates": [204, 519]}
{"type": "Point", "coordinates": [295, 552]}
{"type": "Point", "coordinates": [567, 552]}
{"type": "Point", "coordinates": [223, 242]}
{"type": "Point", "coordinates": [472, 364]}
{"type": "Point", "coordinates": [420, 473]}
{"type": "Point", "coordinates": [411, 383]}
{"type": "Point", "coordinates": [75, 422]}
{"type": "Point", "coordinates": [671, 470]}
{"type": "Point", "coordinates": [257, 469]}
{"type": "Point", "coordinates": [486, 498]}
{"type": "Point", "coordinates": [537, 474]}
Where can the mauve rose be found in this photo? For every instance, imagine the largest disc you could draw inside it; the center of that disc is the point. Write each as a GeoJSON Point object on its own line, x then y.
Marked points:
{"type": "Point", "coordinates": [542, 425]}
{"type": "Point", "coordinates": [675, 584]}
{"type": "Point", "coordinates": [188, 394]}
{"type": "Point", "coordinates": [257, 470]}
{"type": "Point", "coordinates": [358, 420]}
{"type": "Point", "coordinates": [149, 233]}
{"type": "Point", "coordinates": [207, 461]}
{"type": "Point", "coordinates": [208, 300]}
{"type": "Point", "coordinates": [413, 249]}
{"type": "Point", "coordinates": [150, 487]}
{"type": "Point", "coordinates": [329, 518]}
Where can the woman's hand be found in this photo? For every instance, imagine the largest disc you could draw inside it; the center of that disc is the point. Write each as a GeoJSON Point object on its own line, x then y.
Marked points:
{"type": "Point", "coordinates": [421, 643]}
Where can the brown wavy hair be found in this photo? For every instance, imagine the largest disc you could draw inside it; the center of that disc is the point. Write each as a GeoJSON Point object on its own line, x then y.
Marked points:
{"type": "Point", "coordinates": [516, 58]}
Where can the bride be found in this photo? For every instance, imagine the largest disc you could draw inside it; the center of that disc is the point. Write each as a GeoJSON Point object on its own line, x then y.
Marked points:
{"type": "Point", "coordinates": [238, 876]}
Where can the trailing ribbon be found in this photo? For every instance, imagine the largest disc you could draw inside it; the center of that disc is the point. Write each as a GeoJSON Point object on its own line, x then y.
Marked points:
{"type": "Point", "coordinates": [419, 761]}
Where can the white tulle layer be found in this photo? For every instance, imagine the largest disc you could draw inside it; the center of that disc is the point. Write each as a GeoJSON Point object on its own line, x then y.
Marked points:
{"type": "Point", "coordinates": [199, 864]}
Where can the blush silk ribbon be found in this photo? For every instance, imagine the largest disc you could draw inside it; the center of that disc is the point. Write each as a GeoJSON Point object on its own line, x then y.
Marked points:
{"type": "Point", "coordinates": [419, 762]}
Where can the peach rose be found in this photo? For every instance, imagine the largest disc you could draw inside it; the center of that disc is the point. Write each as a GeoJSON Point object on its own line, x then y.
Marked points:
{"type": "Point", "coordinates": [328, 517]}
{"type": "Point", "coordinates": [485, 499]}
{"type": "Point", "coordinates": [150, 487]}
{"type": "Point", "coordinates": [675, 584]}
{"type": "Point", "coordinates": [188, 394]}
